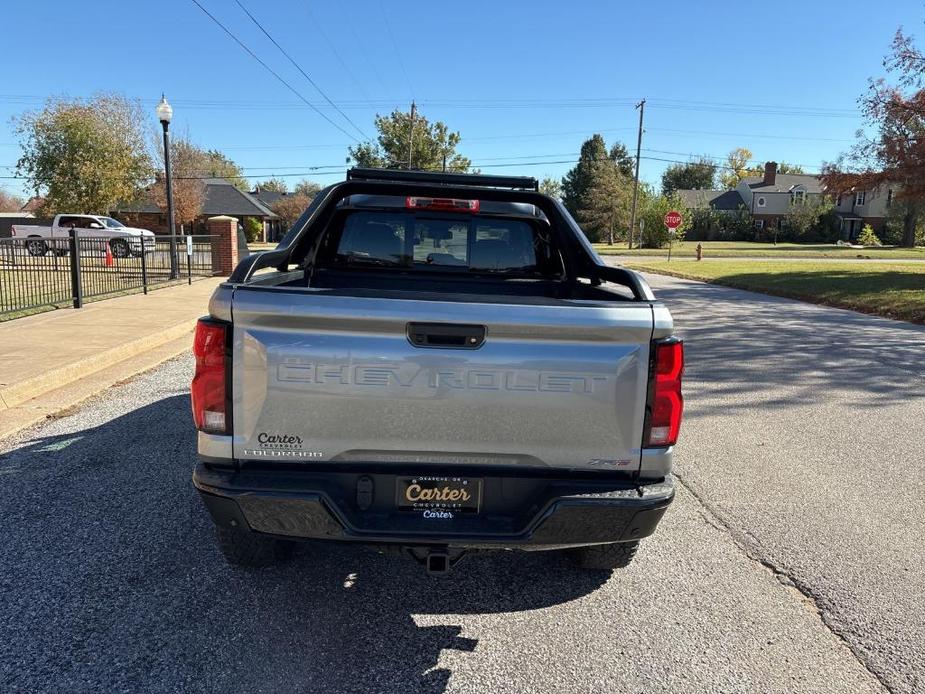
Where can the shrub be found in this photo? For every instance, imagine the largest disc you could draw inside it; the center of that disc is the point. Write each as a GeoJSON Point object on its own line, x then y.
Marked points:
{"type": "Point", "coordinates": [253, 229]}
{"type": "Point", "coordinates": [867, 237]}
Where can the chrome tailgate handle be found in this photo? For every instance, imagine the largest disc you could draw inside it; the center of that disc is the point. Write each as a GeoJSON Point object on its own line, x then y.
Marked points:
{"type": "Point", "coordinates": [446, 335]}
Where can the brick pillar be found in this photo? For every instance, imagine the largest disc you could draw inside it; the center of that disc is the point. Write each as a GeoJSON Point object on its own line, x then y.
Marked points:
{"type": "Point", "coordinates": [224, 233]}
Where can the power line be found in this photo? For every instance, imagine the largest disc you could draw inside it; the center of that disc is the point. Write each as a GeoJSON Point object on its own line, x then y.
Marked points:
{"type": "Point", "coordinates": [271, 70]}
{"type": "Point", "coordinates": [299, 68]}
{"type": "Point", "coordinates": [401, 63]}
{"type": "Point", "coordinates": [320, 27]}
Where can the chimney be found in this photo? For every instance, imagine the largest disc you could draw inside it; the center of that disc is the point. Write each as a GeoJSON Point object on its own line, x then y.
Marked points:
{"type": "Point", "coordinates": [770, 173]}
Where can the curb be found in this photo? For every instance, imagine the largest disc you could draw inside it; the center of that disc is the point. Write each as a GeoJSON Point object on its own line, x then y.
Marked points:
{"type": "Point", "coordinates": [14, 395]}
{"type": "Point", "coordinates": [55, 403]}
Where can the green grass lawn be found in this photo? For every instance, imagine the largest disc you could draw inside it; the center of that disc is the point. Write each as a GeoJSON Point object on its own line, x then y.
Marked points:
{"type": "Point", "coordinates": [894, 290]}
{"type": "Point", "coordinates": [751, 249]}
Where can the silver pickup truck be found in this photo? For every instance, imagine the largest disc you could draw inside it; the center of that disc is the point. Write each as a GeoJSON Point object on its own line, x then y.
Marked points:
{"type": "Point", "coordinates": [436, 363]}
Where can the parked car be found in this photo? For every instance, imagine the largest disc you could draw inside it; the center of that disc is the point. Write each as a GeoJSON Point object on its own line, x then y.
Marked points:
{"type": "Point", "coordinates": [440, 363]}
{"type": "Point", "coordinates": [123, 241]}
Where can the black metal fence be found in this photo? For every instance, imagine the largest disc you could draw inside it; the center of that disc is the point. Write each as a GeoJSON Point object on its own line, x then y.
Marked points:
{"type": "Point", "coordinates": [36, 273]}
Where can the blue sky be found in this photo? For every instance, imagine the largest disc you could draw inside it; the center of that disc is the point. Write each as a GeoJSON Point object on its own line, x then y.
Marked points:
{"type": "Point", "coordinates": [524, 82]}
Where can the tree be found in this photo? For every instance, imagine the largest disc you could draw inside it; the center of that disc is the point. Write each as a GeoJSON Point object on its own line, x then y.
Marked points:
{"type": "Point", "coordinates": [805, 216]}
{"type": "Point", "coordinates": [736, 167]}
{"type": "Point", "coordinates": [291, 207]}
{"type": "Point", "coordinates": [696, 175]}
{"type": "Point", "coordinates": [433, 145]}
{"type": "Point", "coordinates": [652, 211]}
{"type": "Point", "coordinates": [605, 207]}
{"type": "Point", "coordinates": [895, 155]}
{"type": "Point", "coordinates": [214, 164]}
{"type": "Point", "coordinates": [306, 187]}
{"type": "Point", "coordinates": [188, 188]}
{"type": "Point", "coordinates": [551, 187]}
{"type": "Point", "coordinates": [625, 163]}
{"type": "Point", "coordinates": [785, 168]}
{"type": "Point", "coordinates": [10, 202]}
{"type": "Point", "coordinates": [276, 185]}
{"type": "Point", "coordinates": [84, 156]}
{"type": "Point", "coordinates": [578, 180]}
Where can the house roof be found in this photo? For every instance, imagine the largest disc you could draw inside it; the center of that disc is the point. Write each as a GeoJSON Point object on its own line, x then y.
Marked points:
{"type": "Point", "coordinates": [784, 183]}
{"type": "Point", "coordinates": [712, 199]}
{"type": "Point", "coordinates": [220, 197]}
{"type": "Point", "coordinates": [267, 197]}
{"type": "Point", "coordinates": [33, 204]}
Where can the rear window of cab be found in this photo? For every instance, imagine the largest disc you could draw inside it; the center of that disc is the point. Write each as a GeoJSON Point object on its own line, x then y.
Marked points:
{"type": "Point", "coordinates": [449, 242]}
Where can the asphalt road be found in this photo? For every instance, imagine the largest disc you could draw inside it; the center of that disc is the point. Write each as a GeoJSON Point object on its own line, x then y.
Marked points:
{"type": "Point", "coordinates": [790, 562]}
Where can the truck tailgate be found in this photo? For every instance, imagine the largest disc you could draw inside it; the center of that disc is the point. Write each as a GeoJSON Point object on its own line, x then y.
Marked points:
{"type": "Point", "coordinates": [321, 377]}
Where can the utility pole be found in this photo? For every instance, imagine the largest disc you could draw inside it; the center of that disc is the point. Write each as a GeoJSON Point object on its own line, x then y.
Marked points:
{"type": "Point", "coordinates": [642, 107]}
{"type": "Point", "coordinates": [411, 137]}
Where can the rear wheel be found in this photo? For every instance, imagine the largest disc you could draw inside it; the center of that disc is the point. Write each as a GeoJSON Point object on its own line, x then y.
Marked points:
{"type": "Point", "coordinates": [602, 557]}
{"type": "Point", "coordinates": [119, 248]}
{"type": "Point", "coordinates": [244, 548]}
{"type": "Point", "coordinates": [36, 247]}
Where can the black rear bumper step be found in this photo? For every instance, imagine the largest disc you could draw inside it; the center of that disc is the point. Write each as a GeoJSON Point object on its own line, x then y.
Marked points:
{"type": "Point", "coordinates": [517, 512]}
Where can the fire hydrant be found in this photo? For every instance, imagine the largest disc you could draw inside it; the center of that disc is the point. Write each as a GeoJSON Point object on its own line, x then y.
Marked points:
{"type": "Point", "coordinates": [699, 251]}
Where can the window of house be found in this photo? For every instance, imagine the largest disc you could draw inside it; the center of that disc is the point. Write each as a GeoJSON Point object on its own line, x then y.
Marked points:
{"type": "Point", "coordinates": [798, 197]}
{"type": "Point", "coordinates": [759, 224]}
{"type": "Point", "coordinates": [889, 197]}
{"type": "Point", "coordinates": [860, 197]}
{"type": "Point", "coordinates": [761, 202]}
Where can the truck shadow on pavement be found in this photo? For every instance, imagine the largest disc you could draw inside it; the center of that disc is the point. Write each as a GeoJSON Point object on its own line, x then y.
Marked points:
{"type": "Point", "coordinates": [747, 351]}
{"type": "Point", "coordinates": [112, 581]}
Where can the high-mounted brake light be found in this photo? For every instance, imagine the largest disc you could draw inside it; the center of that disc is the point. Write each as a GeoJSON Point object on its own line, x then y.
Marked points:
{"type": "Point", "coordinates": [667, 403]}
{"type": "Point", "coordinates": [208, 387]}
{"type": "Point", "coordinates": [442, 204]}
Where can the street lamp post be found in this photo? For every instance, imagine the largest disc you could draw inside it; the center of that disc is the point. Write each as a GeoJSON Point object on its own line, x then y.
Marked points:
{"type": "Point", "coordinates": [164, 114]}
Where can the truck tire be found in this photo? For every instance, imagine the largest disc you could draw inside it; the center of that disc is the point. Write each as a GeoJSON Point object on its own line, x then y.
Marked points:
{"type": "Point", "coordinates": [36, 247]}
{"type": "Point", "coordinates": [119, 248]}
{"type": "Point", "coordinates": [244, 548]}
{"type": "Point", "coordinates": [602, 557]}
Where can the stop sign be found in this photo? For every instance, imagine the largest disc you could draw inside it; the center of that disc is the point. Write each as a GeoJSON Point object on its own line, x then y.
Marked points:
{"type": "Point", "coordinates": [673, 220]}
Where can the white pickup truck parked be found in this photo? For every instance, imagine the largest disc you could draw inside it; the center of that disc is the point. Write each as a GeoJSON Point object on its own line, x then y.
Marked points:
{"type": "Point", "coordinates": [123, 241]}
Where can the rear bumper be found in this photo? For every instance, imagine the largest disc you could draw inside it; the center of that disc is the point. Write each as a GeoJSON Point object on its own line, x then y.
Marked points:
{"type": "Point", "coordinates": [519, 511]}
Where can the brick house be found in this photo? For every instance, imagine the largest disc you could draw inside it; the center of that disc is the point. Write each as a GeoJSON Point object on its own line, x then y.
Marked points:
{"type": "Point", "coordinates": [856, 208]}
{"type": "Point", "coordinates": [768, 200]}
{"type": "Point", "coordinates": [220, 197]}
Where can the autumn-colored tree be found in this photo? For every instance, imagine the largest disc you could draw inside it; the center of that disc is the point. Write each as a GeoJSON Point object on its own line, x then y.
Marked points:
{"type": "Point", "coordinates": [186, 174]}
{"type": "Point", "coordinates": [432, 145]}
{"type": "Point", "coordinates": [291, 207]}
{"type": "Point", "coordinates": [895, 155]}
{"type": "Point", "coordinates": [84, 155]}
{"type": "Point", "coordinates": [10, 202]}
{"type": "Point", "coordinates": [736, 167]}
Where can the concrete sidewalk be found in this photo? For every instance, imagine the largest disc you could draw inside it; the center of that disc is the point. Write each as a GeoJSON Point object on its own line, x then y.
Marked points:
{"type": "Point", "coordinates": [53, 360]}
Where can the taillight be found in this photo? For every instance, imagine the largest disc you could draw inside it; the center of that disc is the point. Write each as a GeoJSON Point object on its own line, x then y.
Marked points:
{"type": "Point", "coordinates": [442, 204]}
{"type": "Point", "coordinates": [208, 387]}
{"type": "Point", "coordinates": [666, 400]}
